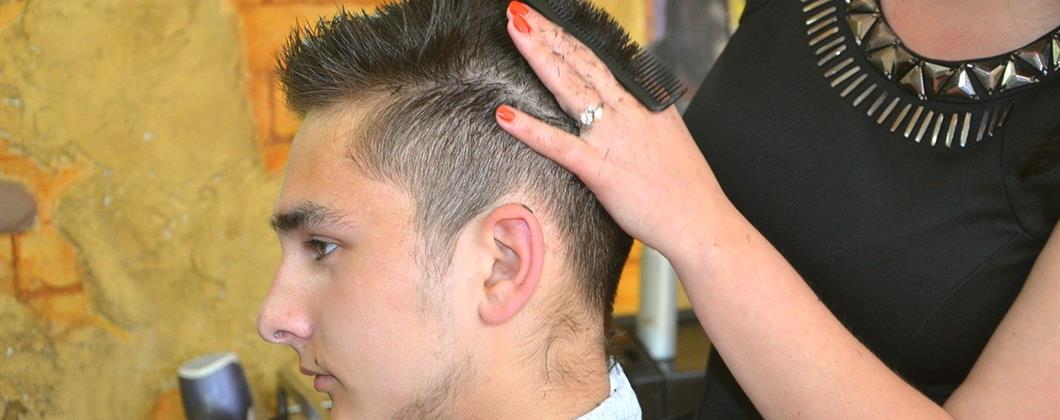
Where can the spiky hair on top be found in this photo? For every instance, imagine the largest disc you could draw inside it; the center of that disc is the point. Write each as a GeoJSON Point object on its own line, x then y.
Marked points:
{"type": "Point", "coordinates": [432, 73]}
{"type": "Point", "coordinates": [412, 42]}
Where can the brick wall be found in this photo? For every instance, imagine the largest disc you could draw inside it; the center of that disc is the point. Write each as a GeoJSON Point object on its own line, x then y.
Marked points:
{"type": "Point", "coordinates": [265, 25]}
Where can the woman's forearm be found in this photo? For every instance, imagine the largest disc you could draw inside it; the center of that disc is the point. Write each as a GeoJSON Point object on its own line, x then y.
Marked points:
{"type": "Point", "coordinates": [788, 352]}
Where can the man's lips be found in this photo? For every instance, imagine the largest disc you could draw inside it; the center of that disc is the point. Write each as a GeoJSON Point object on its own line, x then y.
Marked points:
{"type": "Point", "coordinates": [320, 381]}
{"type": "Point", "coordinates": [308, 372]}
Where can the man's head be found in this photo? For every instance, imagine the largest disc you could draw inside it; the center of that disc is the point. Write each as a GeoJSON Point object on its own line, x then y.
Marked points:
{"type": "Point", "coordinates": [420, 240]}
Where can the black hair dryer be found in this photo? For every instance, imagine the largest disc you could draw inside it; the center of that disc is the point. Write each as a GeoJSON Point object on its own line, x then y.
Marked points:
{"type": "Point", "coordinates": [213, 387]}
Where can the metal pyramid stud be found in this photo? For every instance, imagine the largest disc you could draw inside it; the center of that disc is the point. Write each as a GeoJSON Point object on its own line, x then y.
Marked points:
{"type": "Point", "coordinates": [880, 36]}
{"type": "Point", "coordinates": [860, 23]}
{"type": "Point", "coordinates": [863, 6]}
{"type": "Point", "coordinates": [1036, 55]}
{"type": "Point", "coordinates": [913, 81]}
{"type": "Point", "coordinates": [937, 75]}
{"type": "Point", "coordinates": [960, 86]}
{"type": "Point", "coordinates": [1015, 77]}
{"type": "Point", "coordinates": [903, 60]}
{"type": "Point", "coordinates": [1056, 52]}
{"type": "Point", "coordinates": [883, 59]}
{"type": "Point", "coordinates": [989, 73]}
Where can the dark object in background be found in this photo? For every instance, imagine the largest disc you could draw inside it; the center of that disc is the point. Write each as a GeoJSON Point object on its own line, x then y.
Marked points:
{"type": "Point", "coordinates": [296, 400]}
{"type": "Point", "coordinates": [666, 389]}
{"type": "Point", "coordinates": [18, 210]}
{"type": "Point", "coordinates": [213, 387]}
{"type": "Point", "coordinates": [688, 36]}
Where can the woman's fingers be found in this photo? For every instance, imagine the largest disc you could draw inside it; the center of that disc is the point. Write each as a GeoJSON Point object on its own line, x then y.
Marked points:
{"type": "Point", "coordinates": [564, 148]}
{"type": "Point", "coordinates": [577, 54]}
{"type": "Point", "coordinates": [633, 160]}
{"type": "Point", "coordinates": [573, 93]}
{"type": "Point", "coordinates": [570, 70]}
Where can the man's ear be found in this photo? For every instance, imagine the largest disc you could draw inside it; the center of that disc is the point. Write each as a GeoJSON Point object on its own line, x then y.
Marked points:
{"type": "Point", "coordinates": [518, 250]}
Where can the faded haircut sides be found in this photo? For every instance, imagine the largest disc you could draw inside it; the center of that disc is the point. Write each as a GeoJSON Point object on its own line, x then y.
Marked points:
{"type": "Point", "coordinates": [433, 72]}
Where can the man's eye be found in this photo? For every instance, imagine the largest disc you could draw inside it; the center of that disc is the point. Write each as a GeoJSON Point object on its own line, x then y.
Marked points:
{"type": "Point", "coordinates": [321, 248]}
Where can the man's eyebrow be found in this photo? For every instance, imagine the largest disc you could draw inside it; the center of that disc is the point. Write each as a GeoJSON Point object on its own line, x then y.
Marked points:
{"type": "Point", "coordinates": [306, 215]}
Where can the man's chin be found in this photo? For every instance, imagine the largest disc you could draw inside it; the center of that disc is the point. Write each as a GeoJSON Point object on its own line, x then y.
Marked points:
{"type": "Point", "coordinates": [350, 412]}
{"type": "Point", "coordinates": [342, 407]}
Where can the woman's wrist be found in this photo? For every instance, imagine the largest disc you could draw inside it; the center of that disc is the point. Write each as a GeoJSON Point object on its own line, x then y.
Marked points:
{"type": "Point", "coordinates": [710, 228]}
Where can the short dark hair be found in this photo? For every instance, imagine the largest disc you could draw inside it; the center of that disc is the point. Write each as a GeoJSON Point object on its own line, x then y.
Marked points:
{"type": "Point", "coordinates": [433, 73]}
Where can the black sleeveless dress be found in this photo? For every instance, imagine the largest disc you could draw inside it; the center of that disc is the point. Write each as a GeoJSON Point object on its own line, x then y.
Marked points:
{"type": "Point", "coordinates": [893, 183]}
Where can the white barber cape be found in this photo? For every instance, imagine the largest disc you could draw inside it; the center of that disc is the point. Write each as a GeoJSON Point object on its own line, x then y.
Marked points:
{"type": "Point", "coordinates": [622, 404]}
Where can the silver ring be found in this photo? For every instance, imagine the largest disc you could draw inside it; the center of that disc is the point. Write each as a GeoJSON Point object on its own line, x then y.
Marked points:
{"type": "Point", "coordinates": [591, 115]}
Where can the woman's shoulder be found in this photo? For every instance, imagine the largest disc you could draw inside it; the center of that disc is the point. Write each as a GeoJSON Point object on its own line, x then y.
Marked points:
{"type": "Point", "coordinates": [1032, 159]}
{"type": "Point", "coordinates": [752, 6]}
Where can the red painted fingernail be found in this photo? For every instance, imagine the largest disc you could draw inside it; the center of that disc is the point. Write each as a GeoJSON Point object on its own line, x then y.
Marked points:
{"type": "Point", "coordinates": [520, 24]}
{"type": "Point", "coordinates": [505, 113]}
{"type": "Point", "coordinates": [518, 8]}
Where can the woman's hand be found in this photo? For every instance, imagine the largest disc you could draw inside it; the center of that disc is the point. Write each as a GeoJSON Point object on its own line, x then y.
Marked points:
{"type": "Point", "coordinates": [644, 167]}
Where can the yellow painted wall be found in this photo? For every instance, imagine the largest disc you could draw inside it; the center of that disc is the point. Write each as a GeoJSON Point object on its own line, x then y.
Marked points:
{"type": "Point", "coordinates": [129, 122]}
{"type": "Point", "coordinates": [152, 138]}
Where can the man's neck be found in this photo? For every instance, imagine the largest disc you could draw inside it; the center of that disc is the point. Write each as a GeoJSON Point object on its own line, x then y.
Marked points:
{"type": "Point", "coordinates": [574, 390]}
{"type": "Point", "coordinates": [559, 382]}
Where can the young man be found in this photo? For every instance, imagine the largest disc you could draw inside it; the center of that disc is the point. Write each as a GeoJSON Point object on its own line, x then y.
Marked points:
{"type": "Point", "coordinates": [435, 267]}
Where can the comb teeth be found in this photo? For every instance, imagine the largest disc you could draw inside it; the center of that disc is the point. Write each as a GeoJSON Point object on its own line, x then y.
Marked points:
{"type": "Point", "coordinates": [638, 71]}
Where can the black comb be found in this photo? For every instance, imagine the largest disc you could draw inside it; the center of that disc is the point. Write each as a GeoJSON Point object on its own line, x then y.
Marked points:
{"type": "Point", "coordinates": [642, 74]}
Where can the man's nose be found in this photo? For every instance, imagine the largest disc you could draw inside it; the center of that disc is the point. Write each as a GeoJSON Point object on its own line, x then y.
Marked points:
{"type": "Point", "coordinates": [282, 318]}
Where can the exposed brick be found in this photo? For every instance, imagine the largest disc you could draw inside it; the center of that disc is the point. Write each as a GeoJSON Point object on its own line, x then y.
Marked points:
{"type": "Point", "coordinates": [266, 24]}
{"type": "Point", "coordinates": [45, 271]}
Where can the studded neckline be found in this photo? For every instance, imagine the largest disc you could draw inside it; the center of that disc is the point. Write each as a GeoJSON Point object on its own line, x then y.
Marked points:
{"type": "Point", "coordinates": [853, 41]}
